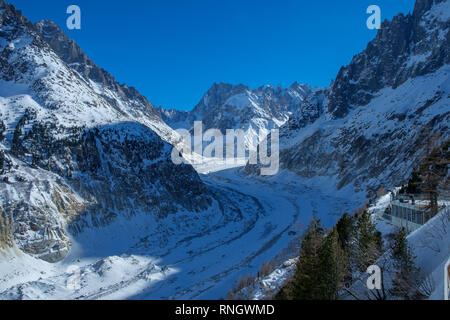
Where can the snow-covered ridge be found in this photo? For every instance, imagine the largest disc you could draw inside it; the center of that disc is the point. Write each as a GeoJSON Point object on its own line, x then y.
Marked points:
{"type": "Point", "coordinates": [203, 253]}
{"type": "Point", "coordinates": [86, 173]}
{"type": "Point", "coordinates": [369, 127]}
{"type": "Point", "coordinates": [72, 147]}
{"type": "Point", "coordinates": [227, 106]}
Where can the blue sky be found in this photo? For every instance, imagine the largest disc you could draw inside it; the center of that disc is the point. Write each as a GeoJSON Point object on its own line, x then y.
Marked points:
{"type": "Point", "coordinates": [172, 51]}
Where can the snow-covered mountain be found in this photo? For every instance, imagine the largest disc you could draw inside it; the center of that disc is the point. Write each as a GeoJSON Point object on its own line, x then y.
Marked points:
{"type": "Point", "coordinates": [77, 148]}
{"type": "Point", "coordinates": [126, 100]}
{"type": "Point", "coordinates": [370, 127]}
{"type": "Point", "coordinates": [227, 106]}
{"type": "Point", "coordinates": [87, 179]}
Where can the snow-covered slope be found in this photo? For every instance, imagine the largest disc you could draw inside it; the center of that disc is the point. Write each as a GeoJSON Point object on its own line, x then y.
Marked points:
{"type": "Point", "coordinates": [370, 127]}
{"type": "Point", "coordinates": [76, 152]}
{"type": "Point", "coordinates": [182, 256]}
{"type": "Point", "coordinates": [126, 100]}
{"type": "Point", "coordinates": [377, 144]}
{"type": "Point", "coordinates": [257, 111]}
{"type": "Point", "coordinates": [89, 183]}
{"type": "Point", "coordinates": [86, 175]}
{"type": "Point", "coordinates": [33, 279]}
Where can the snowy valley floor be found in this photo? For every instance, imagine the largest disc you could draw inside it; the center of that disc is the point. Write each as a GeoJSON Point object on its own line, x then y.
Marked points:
{"type": "Point", "coordinates": [130, 260]}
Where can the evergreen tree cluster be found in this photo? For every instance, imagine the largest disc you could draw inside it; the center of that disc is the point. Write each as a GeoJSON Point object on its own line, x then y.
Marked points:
{"type": "Point", "coordinates": [407, 282]}
{"type": "Point", "coordinates": [327, 260]}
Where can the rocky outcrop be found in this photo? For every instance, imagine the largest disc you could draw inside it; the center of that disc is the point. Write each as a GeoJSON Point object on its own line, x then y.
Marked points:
{"type": "Point", "coordinates": [78, 150]}
{"type": "Point", "coordinates": [373, 124]}
{"type": "Point", "coordinates": [256, 111]}
{"type": "Point", "coordinates": [69, 52]}
{"type": "Point", "coordinates": [404, 48]}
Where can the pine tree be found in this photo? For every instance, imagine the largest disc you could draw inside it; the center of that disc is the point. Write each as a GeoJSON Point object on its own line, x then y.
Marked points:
{"type": "Point", "coordinates": [407, 276]}
{"type": "Point", "coordinates": [414, 183]}
{"type": "Point", "coordinates": [305, 284]}
{"type": "Point", "coordinates": [333, 266]}
{"type": "Point", "coordinates": [344, 228]}
{"type": "Point", "coordinates": [399, 248]}
{"type": "Point", "coordinates": [368, 241]}
{"type": "Point", "coordinates": [321, 268]}
{"type": "Point", "coordinates": [433, 172]}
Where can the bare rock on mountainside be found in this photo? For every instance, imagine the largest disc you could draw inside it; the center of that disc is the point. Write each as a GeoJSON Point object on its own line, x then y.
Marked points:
{"type": "Point", "coordinates": [78, 149]}
{"type": "Point", "coordinates": [225, 106]}
{"type": "Point", "coordinates": [370, 127]}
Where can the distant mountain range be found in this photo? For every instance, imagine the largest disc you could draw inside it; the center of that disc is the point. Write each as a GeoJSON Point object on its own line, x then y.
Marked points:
{"type": "Point", "coordinates": [79, 151]}
{"type": "Point", "coordinates": [227, 106]}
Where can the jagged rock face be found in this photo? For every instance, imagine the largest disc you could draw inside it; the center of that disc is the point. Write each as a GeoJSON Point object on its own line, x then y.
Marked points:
{"type": "Point", "coordinates": [173, 116]}
{"type": "Point", "coordinates": [370, 127]}
{"type": "Point", "coordinates": [76, 150]}
{"type": "Point", "coordinates": [227, 106]}
{"type": "Point", "coordinates": [310, 110]}
{"type": "Point", "coordinates": [71, 53]}
{"type": "Point", "coordinates": [404, 48]}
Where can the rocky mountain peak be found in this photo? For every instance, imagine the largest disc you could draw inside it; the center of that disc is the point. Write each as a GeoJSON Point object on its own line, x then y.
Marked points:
{"type": "Point", "coordinates": [69, 51]}
{"type": "Point", "coordinates": [404, 48]}
{"type": "Point", "coordinates": [218, 94]}
{"type": "Point", "coordinates": [368, 128]}
{"type": "Point", "coordinates": [68, 127]}
{"type": "Point", "coordinates": [9, 15]}
{"type": "Point", "coordinates": [53, 34]}
{"type": "Point", "coordinates": [298, 86]}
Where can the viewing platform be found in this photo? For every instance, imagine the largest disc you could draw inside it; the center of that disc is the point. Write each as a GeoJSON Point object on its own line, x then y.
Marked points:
{"type": "Point", "coordinates": [411, 211]}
